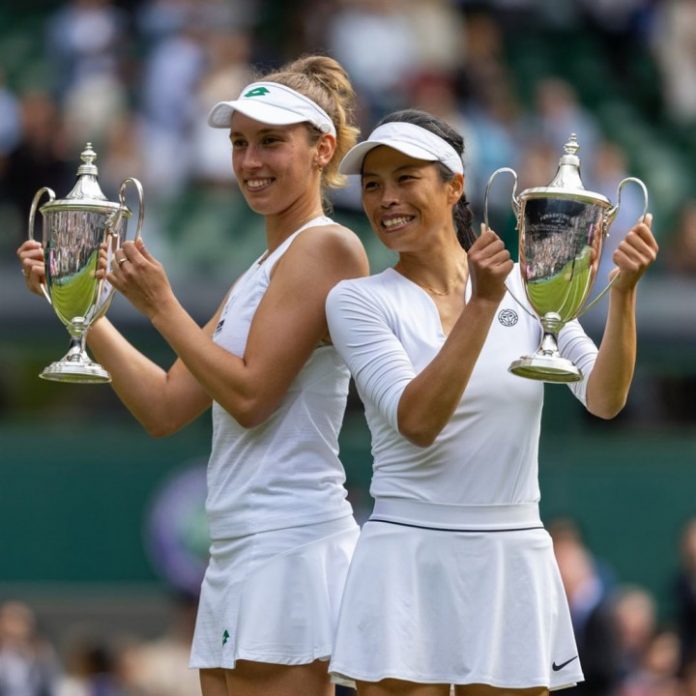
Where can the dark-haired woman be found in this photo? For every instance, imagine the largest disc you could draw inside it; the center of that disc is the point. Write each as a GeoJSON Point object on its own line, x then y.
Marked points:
{"type": "Point", "coordinates": [282, 530]}
{"type": "Point", "coordinates": [454, 583]}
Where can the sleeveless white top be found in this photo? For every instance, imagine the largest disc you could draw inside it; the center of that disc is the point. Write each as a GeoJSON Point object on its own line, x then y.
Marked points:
{"type": "Point", "coordinates": [284, 472]}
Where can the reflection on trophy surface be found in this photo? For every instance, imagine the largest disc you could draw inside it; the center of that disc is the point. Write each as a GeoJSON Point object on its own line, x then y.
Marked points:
{"type": "Point", "coordinates": [561, 228]}
{"type": "Point", "coordinates": [74, 230]}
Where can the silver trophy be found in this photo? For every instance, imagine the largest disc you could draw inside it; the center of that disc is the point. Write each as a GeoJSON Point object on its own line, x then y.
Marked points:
{"type": "Point", "coordinates": [74, 231]}
{"type": "Point", "coordinates": [561, 228]}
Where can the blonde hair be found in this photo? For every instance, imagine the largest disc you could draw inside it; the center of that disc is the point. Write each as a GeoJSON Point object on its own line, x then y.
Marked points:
{"type": "Point", "coordinates": [324, 81]}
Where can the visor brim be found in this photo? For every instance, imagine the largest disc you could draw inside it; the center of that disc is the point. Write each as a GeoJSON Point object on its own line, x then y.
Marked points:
{"type": "Point", "coordinates": [221, 114]}
{"type": "Point", "coordinates": [353, 160]}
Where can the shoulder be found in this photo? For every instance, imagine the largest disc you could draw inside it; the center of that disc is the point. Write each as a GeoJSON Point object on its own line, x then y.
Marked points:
{"type": "Point", "coordinates": [329, 242]}
{"type": "Point", "coordinates": [371, 292]}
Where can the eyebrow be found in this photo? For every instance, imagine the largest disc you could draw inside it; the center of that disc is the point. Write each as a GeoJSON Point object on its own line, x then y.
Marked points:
{"type": "Point", "coordinates": [263, 131]}
{"type": "Point", "coordinates": [398, 169]}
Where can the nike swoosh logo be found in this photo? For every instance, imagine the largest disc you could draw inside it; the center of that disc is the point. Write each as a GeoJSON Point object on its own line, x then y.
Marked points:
{"type": "Point", "coordinates": [556, 667]}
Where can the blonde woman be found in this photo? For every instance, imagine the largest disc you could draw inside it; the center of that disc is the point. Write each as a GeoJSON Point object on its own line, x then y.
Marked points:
{"type": "Point", "coordinates": [282, 530]}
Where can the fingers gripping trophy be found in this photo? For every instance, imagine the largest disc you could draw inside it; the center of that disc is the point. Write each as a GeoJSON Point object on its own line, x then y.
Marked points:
{"type": "Point", "coordinates": [561, 229]}
{"type": "Point", "coordinates": [75, 229]}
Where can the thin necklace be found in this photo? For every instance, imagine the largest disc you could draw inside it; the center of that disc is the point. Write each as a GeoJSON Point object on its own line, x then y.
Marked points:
{"type": "Point", "coordinates": [439, 293]}
{"type": "Point", "coordinates": [429, 288]}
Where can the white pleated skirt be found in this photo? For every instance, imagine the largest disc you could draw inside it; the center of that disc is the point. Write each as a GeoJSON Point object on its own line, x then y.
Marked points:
{"type": "Point", "coordinates": [273, 597]}
{"type": "Point", "coordinates": [455, 607]}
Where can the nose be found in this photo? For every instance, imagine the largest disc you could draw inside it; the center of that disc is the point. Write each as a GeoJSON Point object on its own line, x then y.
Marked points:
{"type": "Point", "coordinates": [249, 158]}
{"type": "Point", "coordinates": [390, 195]}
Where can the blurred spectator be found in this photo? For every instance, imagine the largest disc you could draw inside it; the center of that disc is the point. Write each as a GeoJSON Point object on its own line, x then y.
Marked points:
{"type": "Point", "coordinates": [485, 56]}
{"type": "Point", "coordinates": [494, 139]}
{"type": "Point", "coordinates": [172, 70]}
{"type": "Point", "coordinates": [635, 617]}
{"type": "Point", "coordinates": [27, 663]}
{"type": "Point", "coordinates": [686, 595]}
{"type": "Point", "coordinates": [620, 24]}
{"type": "Point", "coordinates": [689, 679]}
{"type": "Point", "coordinates": [590, 611]}
{"type": "Point", "coordinates": [229, 70]}
{"type": "Point", "coordinates": [378, 74]}
{"type": "Point", "coordinates": [92, 669]}
{"type": "Point", "coordinates": [160, 667]}
{"type": "Point", "coordinates": [86, 40]}
{"type": "Point", "coordinates": [657, 673]}
{"type": "Point", "coordinates": [439, 29]}
{"type": "Point", "coordinates": [602, 175]}
{"type": "Point", "coordinates": [92, 107]}
{"type": "Point", "coordinates": [674, 46]}
{"type": "Point", "coordinates": [9, 118]}
{"type": "Point", "coordinates": [681, 252]}
{"type": "Point", "coordinates": [40, 157]}
{"type": "Point", "coordinates": [122, 154]}
{"type": "Point", "coordinates": [558, 113]}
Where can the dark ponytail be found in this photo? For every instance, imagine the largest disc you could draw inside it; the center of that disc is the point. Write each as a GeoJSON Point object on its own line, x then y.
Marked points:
{"type": "Point", "coordinates": [461, 213]}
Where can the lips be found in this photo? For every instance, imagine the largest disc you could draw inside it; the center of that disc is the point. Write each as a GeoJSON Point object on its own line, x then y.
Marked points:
{"type": "Point", "coordinates": [394, 222]}
{"type": "Point", "coordinates": [257, 184]}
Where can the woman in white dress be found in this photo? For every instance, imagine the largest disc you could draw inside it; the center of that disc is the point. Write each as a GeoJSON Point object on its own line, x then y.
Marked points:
{"type": "Point", "coordinates": [453, 584]}
{"type": "Point", "coordinates": [282, 530]}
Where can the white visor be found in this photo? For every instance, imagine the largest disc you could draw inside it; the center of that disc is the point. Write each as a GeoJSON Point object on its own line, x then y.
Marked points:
{"type": "Point", "coordinates": [272, 103]}
{"type": "Point", "coordinates": [408, 138]}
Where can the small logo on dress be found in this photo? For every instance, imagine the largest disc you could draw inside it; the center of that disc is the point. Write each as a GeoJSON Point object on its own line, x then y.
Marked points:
{"type": "Point", "coordinates": [225, 636]}
{"type": "Point", "coordinates": [556, 667]}
{"type": "Point", "coordinates": [507, 317]}
{"type": "Point", "coordinates": [218, 328]}
{"type": "Point", "coordinates": [258, 92]}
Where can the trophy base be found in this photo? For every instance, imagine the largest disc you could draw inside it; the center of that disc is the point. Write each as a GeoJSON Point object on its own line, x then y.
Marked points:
{"type": "Point", "coordinates": [546, 368]}
{"type": "Point", "coordinates": [78, 372]}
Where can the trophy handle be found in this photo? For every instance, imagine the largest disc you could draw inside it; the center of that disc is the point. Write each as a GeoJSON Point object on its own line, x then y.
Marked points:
{"type": "Point", "coordinates": [30, 230]}
{"type": "Point", "coordinates": [515, 209]}
{"type": "Point", "coordinates": [141, 203]}
{"type": "Point", "coordinates": [112, 225]}
{"type": "Point", "coordinates": [115, 219]}
{"type": "Point", "coordinates": [614, 211]}
{"type": "Point", "coordinates": [515, 201]}
{"type": "Point", "coordinates": [611, 214]}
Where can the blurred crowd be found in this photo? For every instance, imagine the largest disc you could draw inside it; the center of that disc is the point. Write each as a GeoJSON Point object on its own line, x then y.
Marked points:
{"type": "Point", "coordinates": [628, 645]}
{"type": "Point", "coordinates": [91, 660]}
{"type": "Point", "coordinates": [137, 79]}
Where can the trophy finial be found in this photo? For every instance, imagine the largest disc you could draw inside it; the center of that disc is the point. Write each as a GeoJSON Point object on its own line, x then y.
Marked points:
{"type": "Point", "coordinates": [572, 146]}
{"type": "Point", "coordinates": [87, 186]}
{"type": "Point", "coordinates": [88, 167]}
{"type": "Point", "coordinates": [568, 174]}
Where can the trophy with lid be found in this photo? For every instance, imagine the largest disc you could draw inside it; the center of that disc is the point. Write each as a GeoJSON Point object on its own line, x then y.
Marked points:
{"type": "Point", "coordinates": [74, 230]}
{"type": "Point", "coordinates": [561, 229]}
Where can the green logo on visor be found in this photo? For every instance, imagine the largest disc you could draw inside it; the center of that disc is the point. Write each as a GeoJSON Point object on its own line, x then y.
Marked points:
{"type": "Point", "coordinates": [258, 92]}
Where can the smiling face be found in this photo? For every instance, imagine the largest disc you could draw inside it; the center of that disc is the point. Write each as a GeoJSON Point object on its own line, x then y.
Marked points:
{"type": "Point", "coordinates": [276, 166]}
{"type": "Point", "coordinates": [407, 202]}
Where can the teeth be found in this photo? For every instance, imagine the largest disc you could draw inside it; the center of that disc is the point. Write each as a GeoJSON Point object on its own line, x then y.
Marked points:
{"type": "Point", "coordinates": [257, 183]}
{"type": "Point", "coordinates": [393, 222]}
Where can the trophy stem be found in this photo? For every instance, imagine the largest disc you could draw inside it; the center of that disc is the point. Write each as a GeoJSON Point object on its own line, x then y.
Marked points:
{"type": "Point", "coordinates": [76, 366]}
{"type": "Point", "coordinates": [547, 364]}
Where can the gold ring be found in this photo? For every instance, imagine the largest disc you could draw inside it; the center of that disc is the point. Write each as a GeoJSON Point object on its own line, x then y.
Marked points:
{"type": "Point", "coordinates": [122, 260]}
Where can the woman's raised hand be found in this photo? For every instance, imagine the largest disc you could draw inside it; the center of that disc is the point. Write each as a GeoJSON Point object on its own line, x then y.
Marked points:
{"type": "Point", "coordinates": [31, 257]}
{"type": "Point", "coordinates": [489, 265]}
{"type": "Point", "coordinates": [140, 278]}
{"type": "Point", "coordinates": [636, 252]}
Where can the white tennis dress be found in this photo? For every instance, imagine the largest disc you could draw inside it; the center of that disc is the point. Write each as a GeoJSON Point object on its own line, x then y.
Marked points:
{"type": "Point", "coordinates": [282, 530]}
{"type": "Point", "coordinates": [454, 578]}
